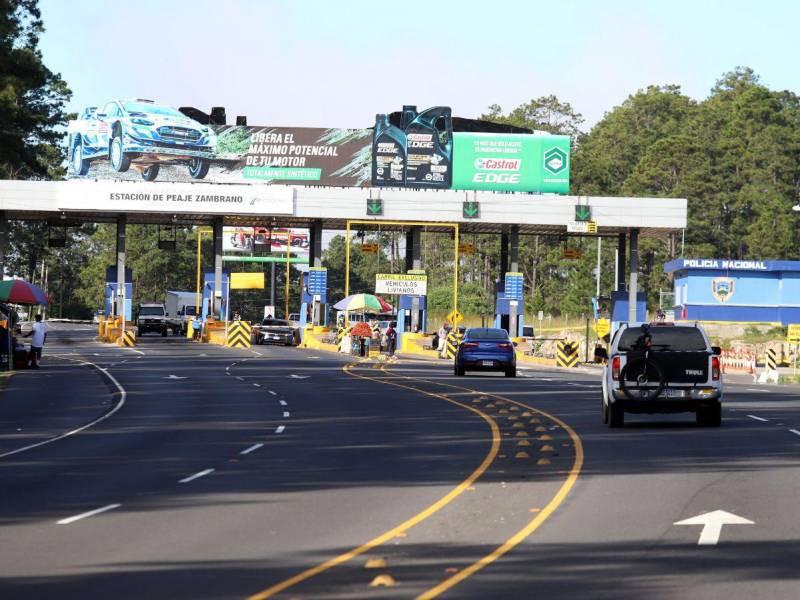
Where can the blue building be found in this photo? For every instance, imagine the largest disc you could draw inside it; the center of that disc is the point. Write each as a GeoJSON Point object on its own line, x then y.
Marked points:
{"type": "Point", "coordinates": [712, 289]}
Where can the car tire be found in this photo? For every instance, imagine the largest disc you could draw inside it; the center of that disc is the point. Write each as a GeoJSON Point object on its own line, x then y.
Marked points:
{"type": "Point", "coordinates": [512, 372]}
{"type": "Point", "coordinates": [164, 332]}
{"type": "Point", "coordinates": [459, 371]}
{"type": "Point", "coordinates": [150, 173]}
{"type": "Point", "coordinates": [78, 164]}
{"type": "Point", "coordinates": [709, 416]}
{"type": "Point", "coordinates": [120, 161]}
{"type": "Point", "coordinates": [603, 409]}
{"type": "Point", "coordinates": [198, 168]}
{"type": "Point", "coordinates": [616, 415]}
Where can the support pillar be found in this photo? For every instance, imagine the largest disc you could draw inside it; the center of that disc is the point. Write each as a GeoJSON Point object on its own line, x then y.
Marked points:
{"type": "Point", "coordinates": [315, 260]}
{"type": "Point", "coordinates": [414, 262]}
{"type": "Point", "coordinates": [621, 262]}
{"type": "Point", "coordinates": [122, 221]}
{"type": "Point", "coordinates": [513, 252]}
{"type": "Point", "coordinates": [272, 293]}
{"type": "Point", "coordinates": [633, 286]}
{"type": "Point", "coordinates": [218, 268]}
{"type": "Point", "coordinates": [503, 259]}
{"type": "Point", "coordinates": [3, 243]}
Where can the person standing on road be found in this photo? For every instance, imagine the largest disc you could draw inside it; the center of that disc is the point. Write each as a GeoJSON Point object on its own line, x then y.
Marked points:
{"type": "Point", "coordinates": [39, 335]}
{"type": "Point", "coordinates": [391, 338]}
{"type": "Point", "coordinates": [442, 340]}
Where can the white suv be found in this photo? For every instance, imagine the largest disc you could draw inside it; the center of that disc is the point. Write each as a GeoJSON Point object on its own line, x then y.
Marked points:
{"type": "Point", "coordinates": [662, 368]}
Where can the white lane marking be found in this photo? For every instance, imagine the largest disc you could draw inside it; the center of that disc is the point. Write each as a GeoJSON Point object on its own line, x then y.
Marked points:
{"type": "Point", "coordinates": [273, 393]}
{"type": "Point", "coordinates": [227, 368]}
{"type": "Point", "coordinates": [240, 378]}
{"type": "Point", "coordinates": [122, 396]}
{"type": "Point", "coordinates": [794, 431]}
{"type": "Point", "coordinates": [293, 376]}
{"type": "Point", "coordinates": [196, 476]}
{"type": "Point", "coordinates": [256, 353]}
{"type": "Point", "coordinates": [762, 391]}
{"type": "Point", "coordinates": [252, 448]}
{"type": "Point", "coordinates": [286, 413]}
{"type": "Point", "coordinates": [91, 513]}
{"type": "Point", "coordinates": [757, 418]}
{"type": "Point", "coordinates": [313, 357]}
{"type": "Point", "coordinates": [282, 402]}
{"type": "Point", "coordinates": [257, 384]}
{"type": "Point", "coordinates": [280, 429]}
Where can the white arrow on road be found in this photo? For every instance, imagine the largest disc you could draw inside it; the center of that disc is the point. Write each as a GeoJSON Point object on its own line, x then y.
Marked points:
{"type": "Point", "coordinates": [712, 523]}
{"type": "Point", "coordinates": [293, 376]}
{"type": "Point", "coordinates": [175, 377]}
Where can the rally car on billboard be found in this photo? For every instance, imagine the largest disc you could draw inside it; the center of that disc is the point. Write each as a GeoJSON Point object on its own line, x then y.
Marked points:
{"type": "Point", "coordinates": [139, 133]}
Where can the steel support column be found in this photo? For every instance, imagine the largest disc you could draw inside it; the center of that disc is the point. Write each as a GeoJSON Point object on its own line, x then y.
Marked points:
{"type": "Point", "coordinates": [315, 250]}
{"type": "Point", "coordinates": [414, 262]}
{"type": "Point", "coordinates": [621, 262]}
{"type": "Point", "coordinates": [3, 243]}
{"type": "Point", "coordinates": [633, 286]}
{"type": "Point", "coordinates": [513, 255]}
{"type": "Point", "coordinates": [217, 304]}
{"type": "Point", "coordinates": [122, 221]}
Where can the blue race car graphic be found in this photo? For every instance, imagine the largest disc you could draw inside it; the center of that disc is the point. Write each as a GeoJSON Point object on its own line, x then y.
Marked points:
{"type": "Point", "coordinates": [139, 133]}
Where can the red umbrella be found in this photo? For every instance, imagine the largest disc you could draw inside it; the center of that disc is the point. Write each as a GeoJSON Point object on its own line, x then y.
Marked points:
{"type": "Point", "coordinates": [16, 291]}
{"type": "Point", "coordinates": [385, 306]}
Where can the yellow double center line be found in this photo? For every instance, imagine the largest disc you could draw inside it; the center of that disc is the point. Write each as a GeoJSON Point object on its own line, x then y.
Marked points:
{"type": "Point", "coordinates": [498, 552]}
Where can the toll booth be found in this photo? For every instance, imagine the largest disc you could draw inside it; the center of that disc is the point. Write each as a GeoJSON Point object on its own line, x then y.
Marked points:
{"type": "Point", "coordinates": [208, 294]}
{"type": "Point", "coordinates": [111, 294]}
{"type": "Point", "coordinates": [509, 311]}
{"type": "Point", "coordinates": [406, 306]}
{"type": "Point", "coordinates": [619, 309]}
{"type": "Point", "coordinates": [314, 298]}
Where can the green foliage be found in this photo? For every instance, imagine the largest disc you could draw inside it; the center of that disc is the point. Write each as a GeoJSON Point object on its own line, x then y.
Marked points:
{"type": "Point", "coordinates": [235, 140]}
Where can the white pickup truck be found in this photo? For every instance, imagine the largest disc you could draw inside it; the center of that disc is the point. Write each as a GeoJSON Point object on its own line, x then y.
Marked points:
{"type": "Point", "coordinates": [662, 368]}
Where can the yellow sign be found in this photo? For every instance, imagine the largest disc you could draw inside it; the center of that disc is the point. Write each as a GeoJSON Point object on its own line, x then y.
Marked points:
{"type": "Point", "coordinates": [247, 281]}
{"type": "Point", "coordinates": [372, 248]}
{"type": "Point", "coordinates": [591, 227]}
{"type": "Point", "coordinates": [455, 317]}
{"type": "Point", "coordinates": [466, 248]}
{"type": "Point", "coordinates": [603, 327]}
{"type": "Point", "coordinates": [793, 334]}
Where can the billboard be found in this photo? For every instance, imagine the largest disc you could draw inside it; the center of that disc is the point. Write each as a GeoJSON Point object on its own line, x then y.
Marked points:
{"type": "Point", "coordinates": [140, 139]}
{"type": "Point", "coordinates": [511, 162]}
{"type": "Point", "coordinates": [263, 240]}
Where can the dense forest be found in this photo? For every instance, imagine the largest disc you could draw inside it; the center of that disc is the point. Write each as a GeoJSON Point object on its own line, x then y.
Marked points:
{"type": "Point", "coordinates": [734, 155]}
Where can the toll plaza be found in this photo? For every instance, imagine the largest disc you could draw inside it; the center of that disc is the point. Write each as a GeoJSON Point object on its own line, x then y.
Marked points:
{"type": "Point", "coordinates": [416, 171]}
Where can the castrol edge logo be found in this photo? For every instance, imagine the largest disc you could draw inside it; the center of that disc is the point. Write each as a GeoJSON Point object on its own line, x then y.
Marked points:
{"type": "Point", "coordinates": [498, 164]}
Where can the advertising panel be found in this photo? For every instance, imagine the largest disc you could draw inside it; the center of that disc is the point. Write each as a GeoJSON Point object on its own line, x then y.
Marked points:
{"type": "Point", "coordinates": [511, 162]}
{"type": "Point", "coordinates": [408, 285]}
{"type": "Point", "coordinates": [263, 240]}
{"type": "Point", "coordinates": [140, 139]}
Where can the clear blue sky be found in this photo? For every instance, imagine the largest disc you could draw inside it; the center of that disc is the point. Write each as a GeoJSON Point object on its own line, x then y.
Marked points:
{"type": "Point", "coordinates": [338, 62]}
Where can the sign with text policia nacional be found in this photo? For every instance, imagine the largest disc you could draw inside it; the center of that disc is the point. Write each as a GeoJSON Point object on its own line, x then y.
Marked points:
{"type": "Point", "coordinates": [140, 139]}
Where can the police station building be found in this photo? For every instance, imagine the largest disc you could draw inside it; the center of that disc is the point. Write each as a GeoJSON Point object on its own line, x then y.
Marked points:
{"type": "Point", "coordinates": [711, 289]}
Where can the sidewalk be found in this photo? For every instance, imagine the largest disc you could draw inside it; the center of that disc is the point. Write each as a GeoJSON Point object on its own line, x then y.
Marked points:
{"type": "Point", "coordinates": [43, 403]}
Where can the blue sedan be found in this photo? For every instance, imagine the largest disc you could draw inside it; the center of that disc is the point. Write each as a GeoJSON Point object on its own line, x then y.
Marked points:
{"type": "Point", "coordinates": [484, 349]}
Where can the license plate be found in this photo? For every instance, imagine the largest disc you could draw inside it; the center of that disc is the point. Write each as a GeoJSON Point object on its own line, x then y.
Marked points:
{"type": "Point", "coordinates": [487, 363]}
{"type": "Point", "coordinates": [672, 393]}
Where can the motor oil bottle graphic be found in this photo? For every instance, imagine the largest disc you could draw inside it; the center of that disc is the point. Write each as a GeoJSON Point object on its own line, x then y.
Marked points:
{"type": "Point", "coordinates": [429, 147]}
{"type": "Point", "coordinates": [388, 154]}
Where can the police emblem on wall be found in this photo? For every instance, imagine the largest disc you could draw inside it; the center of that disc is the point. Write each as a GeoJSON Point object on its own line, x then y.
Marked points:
{"type": "Point", "coordinates": [722, 288]}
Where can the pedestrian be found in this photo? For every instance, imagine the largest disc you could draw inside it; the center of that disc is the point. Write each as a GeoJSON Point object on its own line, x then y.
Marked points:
{"type": "Point", "coordinates": [391, 338]}
{"type": "Point", "coordinates": [442, 340]}
{"type": "Point", "coordinates": [38, 333]}
{"type": "Point", "coordinates": [197, 330]}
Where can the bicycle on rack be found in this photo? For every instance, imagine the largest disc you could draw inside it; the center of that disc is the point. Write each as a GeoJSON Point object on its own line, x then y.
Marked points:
{"type": "Point", "coordinates": [642, 378]}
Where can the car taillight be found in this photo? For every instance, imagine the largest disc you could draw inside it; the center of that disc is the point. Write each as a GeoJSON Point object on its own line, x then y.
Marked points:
{"type": "Point", "coordinates": [715, 368]}
{"type": "Point", "coordinates": [615, 368]}
{"type": "Point", "coordinates": [470, 345]}
{"type": "Point", "coordinates": [505, 345]}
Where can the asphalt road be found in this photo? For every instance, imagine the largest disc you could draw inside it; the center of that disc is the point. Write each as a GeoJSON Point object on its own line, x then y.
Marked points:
{"type": "Point", "coordinates": [219, 473]}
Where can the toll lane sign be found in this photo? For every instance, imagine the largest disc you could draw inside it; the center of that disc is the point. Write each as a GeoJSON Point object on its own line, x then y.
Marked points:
{"type": "Point", "coordinates": [397, 283]}
{"type": "Point", "coordinates": [455, 317]}
{"type": "Point", "coordinates": [793, 334]}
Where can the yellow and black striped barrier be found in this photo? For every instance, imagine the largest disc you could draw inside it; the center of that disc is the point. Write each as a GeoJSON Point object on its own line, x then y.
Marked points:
{"type": "Point", "coordinates": [340, 333]}
{"type": "Point", "coordinates": [772, 360]}
{"type": "Point", "coordinates": [127, 339]}
{"type": "Point", "coordinates": [567, 354]}
{"type": "Point", "coordinates": [240, 334]}
{"type": "Point", "coordinates": [452, 343]}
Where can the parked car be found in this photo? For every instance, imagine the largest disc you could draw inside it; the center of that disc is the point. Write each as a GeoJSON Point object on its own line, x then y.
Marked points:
{"type": "Point", "coordinates": [140, 132]}
{"type": "Point", "coordinates": [275, 331]}
{"type": "Point", "coordinates": [486, 349]}
{"type": "Point", "coordinates": [662, 368]}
